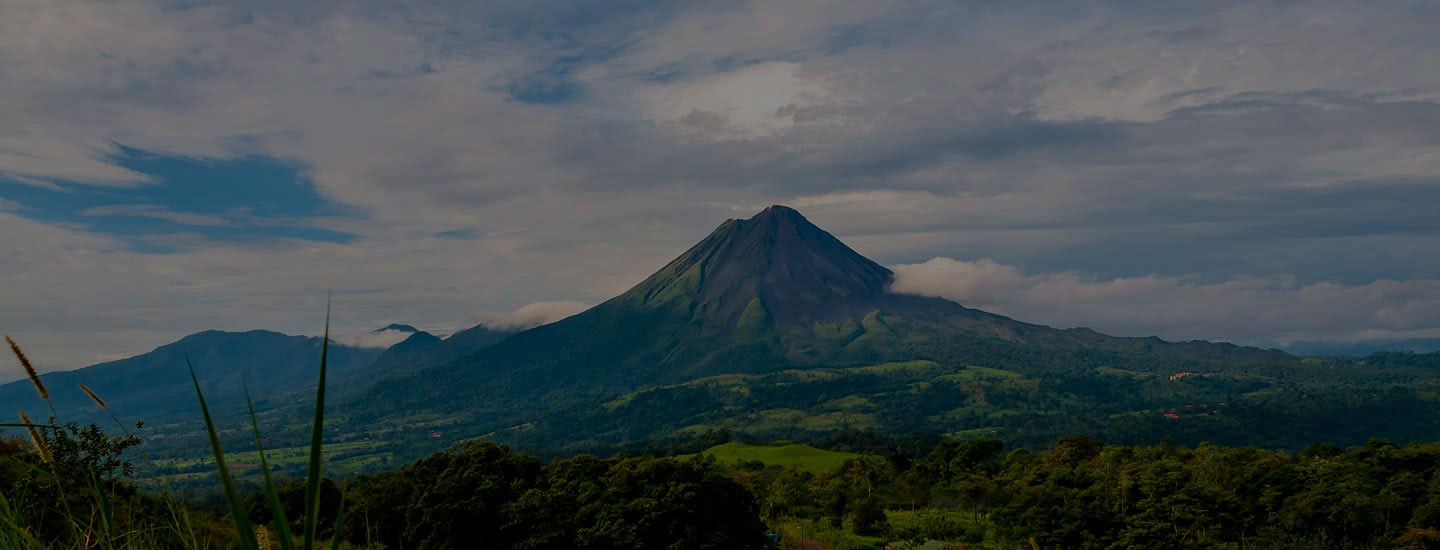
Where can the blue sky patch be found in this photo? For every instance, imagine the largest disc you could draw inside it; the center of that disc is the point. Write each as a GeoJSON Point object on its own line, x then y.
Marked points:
{"type": "Point", "coordinates": [550, 85]}
{"type": "Point", "coordinates": [246, 199]}
{"type": "Point", "coordinates": [466, 233]}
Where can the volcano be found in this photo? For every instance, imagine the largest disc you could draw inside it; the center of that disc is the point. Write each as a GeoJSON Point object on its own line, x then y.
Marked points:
{"type": "Point", "coordinates": [780, 271]}
{"type": "Point", "coordinates": [766, 294]}
{"type": "Point", "coordinates": [775, 264]}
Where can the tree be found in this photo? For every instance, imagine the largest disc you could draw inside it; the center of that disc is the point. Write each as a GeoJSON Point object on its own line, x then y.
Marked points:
{"type": "Point", "coordinates": [867, 517]}
{"type": "Point", "coordinates": [454, 499]}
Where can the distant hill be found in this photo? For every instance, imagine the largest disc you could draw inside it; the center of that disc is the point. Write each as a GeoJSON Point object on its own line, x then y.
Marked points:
{"type": "Point", "coordinates": [157, 383]}
{"type": "Point", "coordinates": [756, 297]}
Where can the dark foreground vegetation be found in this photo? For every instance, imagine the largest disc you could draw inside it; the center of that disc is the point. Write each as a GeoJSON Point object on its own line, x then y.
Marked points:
{"type": "Point", "coordinates": [1079, 494]}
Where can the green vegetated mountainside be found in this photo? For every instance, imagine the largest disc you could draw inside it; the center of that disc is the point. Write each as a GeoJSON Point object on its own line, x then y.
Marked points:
{"type": "Point", "coordinates": [279, 371]}
{"type": "Point", "coordinates": [773, 328]}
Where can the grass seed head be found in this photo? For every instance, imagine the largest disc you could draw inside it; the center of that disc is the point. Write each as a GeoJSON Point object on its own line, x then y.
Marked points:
{"type": "Point", "coordinates": [93, 397]}
{"type": "Point", "coordinates": [29, 369]}
{"type": "Point", "coordinates": [35, 438]}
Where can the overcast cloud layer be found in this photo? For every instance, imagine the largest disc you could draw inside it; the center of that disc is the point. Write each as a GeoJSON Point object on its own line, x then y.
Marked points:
{"type": "Point", "coordinates": [1256, 172]}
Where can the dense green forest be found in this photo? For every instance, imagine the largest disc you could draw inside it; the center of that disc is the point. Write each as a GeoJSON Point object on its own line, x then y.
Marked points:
{"type": "Point", "coordinates": [1082, 494]}
{"type": "Point", "coordinates": [1077, 493]}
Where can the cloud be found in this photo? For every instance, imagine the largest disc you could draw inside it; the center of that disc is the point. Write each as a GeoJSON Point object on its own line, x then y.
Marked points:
{"type": "Point", "coordinates": [529, 315]}
{"type": "Point", "coordinates": [375, 339]}
{"type": "Point", "coordinates": [1251, 310]}
{"type": "Point", "coordinates": [757, 100]}
{"type": "Point", "coordinates": [156, 212]}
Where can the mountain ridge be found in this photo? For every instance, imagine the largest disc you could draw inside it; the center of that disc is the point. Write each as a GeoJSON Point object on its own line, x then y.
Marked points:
{"type": "Point", "coordinates": [156, 382]}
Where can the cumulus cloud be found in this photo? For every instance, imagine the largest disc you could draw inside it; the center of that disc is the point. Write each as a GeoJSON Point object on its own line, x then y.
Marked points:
{"type": "Point", "coordinates": [1251, 310]}
{"type": "Point", "coordinates": [529, 315]}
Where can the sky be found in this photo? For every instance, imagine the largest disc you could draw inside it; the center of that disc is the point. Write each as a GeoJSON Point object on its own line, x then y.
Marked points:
{"type": "Point", "coordinates": [1255, 172]}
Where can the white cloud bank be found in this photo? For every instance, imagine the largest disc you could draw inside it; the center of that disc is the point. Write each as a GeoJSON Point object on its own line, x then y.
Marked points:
{"type": "Point", "coordinates": [1249, 310]}
{"type": "Point", "coordinates": [375, 339]}
{"type": "Point", "coordinates": [529, 315]}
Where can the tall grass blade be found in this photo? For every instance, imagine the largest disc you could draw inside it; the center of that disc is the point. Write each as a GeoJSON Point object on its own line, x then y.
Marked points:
{"type": "Point", "coordinates": [312, 479]}
{"type": "Point", "coordinates": [245, 532]}
{"type": "Point", "coordinates": [12, 534]}
{"type": "Point", "coordinates": [107, 514]}
{"type": "Point", "coordinates": [277, 511]}
{"type": "Point", "coordinates": [39, 472]}
{"type": "Point", "coordinates": [335, 530]}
